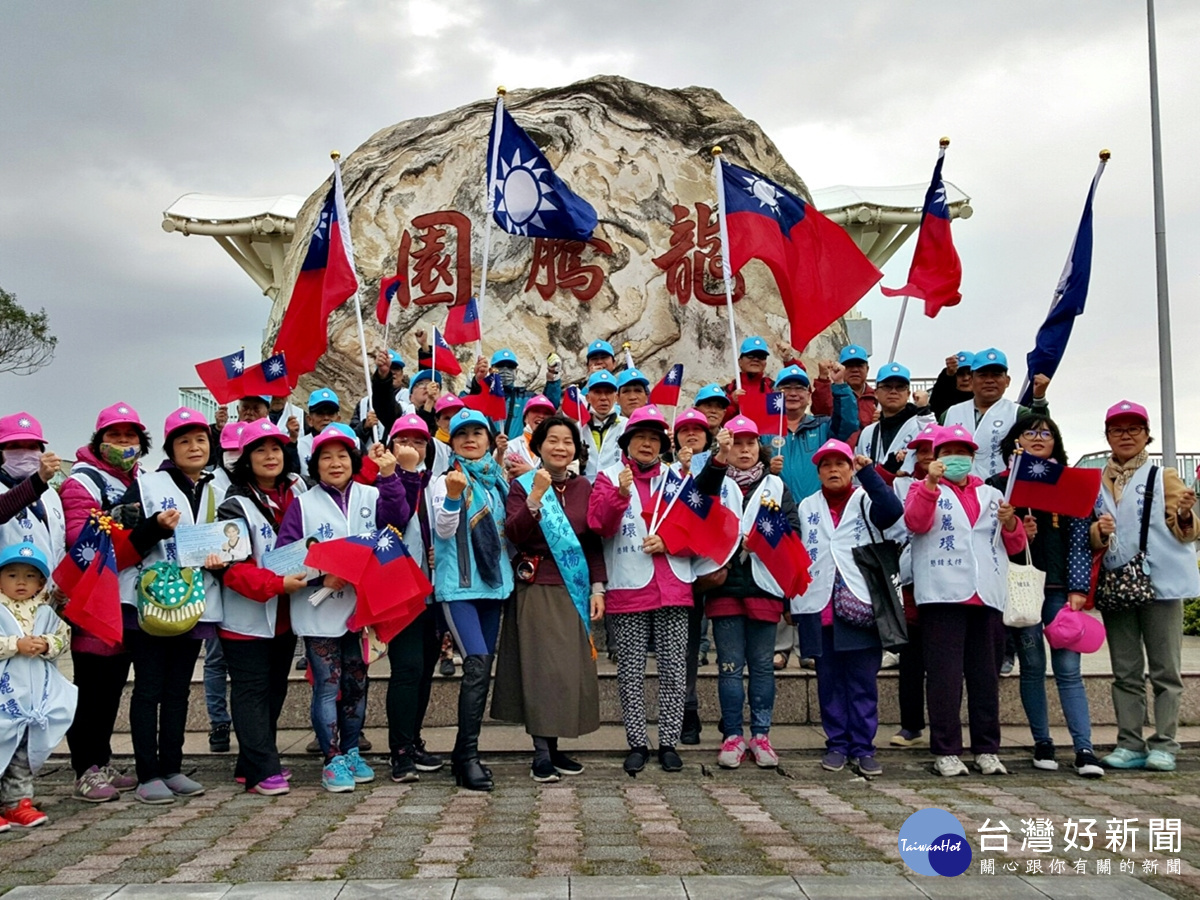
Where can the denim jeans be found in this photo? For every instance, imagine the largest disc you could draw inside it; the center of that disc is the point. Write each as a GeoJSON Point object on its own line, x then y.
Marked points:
{"type": "Point", "coordinates": [216, 674]}
{"type": "Point", "coordinates": [1031, 650]}
{"type": "Point", "coordinates": [745, 643]}
{"type": "Point", "coordinates": [339, 700]}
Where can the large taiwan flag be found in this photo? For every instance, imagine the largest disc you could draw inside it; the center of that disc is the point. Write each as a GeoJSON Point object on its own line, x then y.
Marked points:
{"type": "Point", "coordinates": [326, 281]}
{"type": "Point", "coordinates": [819, 269]}
{"type": "Point", "coordinates": [936, 270]}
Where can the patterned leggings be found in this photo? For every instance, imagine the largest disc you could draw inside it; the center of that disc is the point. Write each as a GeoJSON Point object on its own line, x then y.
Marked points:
{"type": "Point", "coordinates": [669, 625]}
{"type": "Point", "coordinates": [339, 700]}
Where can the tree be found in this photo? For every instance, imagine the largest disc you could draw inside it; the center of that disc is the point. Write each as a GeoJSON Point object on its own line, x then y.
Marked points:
{"type": "Point", "coordinates": [26, 343]}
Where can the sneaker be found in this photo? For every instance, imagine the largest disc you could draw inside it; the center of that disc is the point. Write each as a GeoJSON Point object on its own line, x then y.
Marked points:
{"type": "Point", "coordinates": [155, 792]}
{"type": "Point", "coordinates": [867, 767]}
{"type": "Point", "coordinates": [1125, 759]}
{"type": "Point", "coordinates": [1087, 766]}
{"type": "Point", "coordinates": [764, 754]}
{"type": "Point", "coordinates": [1006, 667]}
{"type": "Point", "coordinates": [833, 761]}
{"type": "Point", "coordinates": [301, 664]}
{"type": "Point", "coordinates": [906, 738]}
{"type": "Point", "coordinates": [732, 752]}
{"type": "Point", "coordinates": [25, 814]}
{"type": "Point", "coordinates": [890, 660]}
{"type": "Point", "coordinates": [543, 772]}
{"type": "Point", "coordinates": [949, 766]}
{"type": "Point", "coordinates": [358, 766]}
{"type": "Point", "coordinates": [119, 779]}
{"type": "Point", "coordinates": [364, 744]}
{"type": "Point", "coordinates": [808, 662]}
{"type": "Point", "coordinates": [5, 825]}
{"type": "Point", "coordinates": [989, 764]}
{"type": "Point", "coordinates": [446, 667]}
{"type": "Point", "coordinates": [285, 773]}
{"type": "Point", "coordinates": [1160, 761]}
{"type": "Point", "coordinates": [424, 760]}
{"type": "Point", "coordinates": [669, 759]}
{"type": "Point", "coordinates": [1043, 756]}
{"type": "Point", "coordinates": [218, 739]}
{"type": "Point", "coordinates": [182, 786]}
{"type": "Point", "coordinates": [691, 727]}
{"type": "Point", "coordinates": [336, 777]}
{"type": "Point", "coordinates": [636, 760]}
{"type": "Point", "coordinates": [404, 769]}
{"type": "Point", "coordinates": [564, 765]}
{"type": "Point", "coordinates": [93, 787]}
{"type": "Point", "coordinates": [268, 787]}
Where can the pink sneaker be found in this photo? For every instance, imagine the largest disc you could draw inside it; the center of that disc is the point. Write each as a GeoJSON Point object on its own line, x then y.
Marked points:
{"type": "Point", "coordinates": [276, 784]}
{"type": "Point", "coordinates": [285, 774]}
{"type": "Point", "coordinates": [764, 754]}
{"type": "Point", "coordinates": [733, 751]}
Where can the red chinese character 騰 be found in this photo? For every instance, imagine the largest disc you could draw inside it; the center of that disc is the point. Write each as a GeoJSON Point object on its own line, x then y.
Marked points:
{"type": "Point", "coordinates": [563, 267]}
{"type": "Point", "coordinates": [694, 255]}
{"type": "Point", "coordinates": [431, 266]}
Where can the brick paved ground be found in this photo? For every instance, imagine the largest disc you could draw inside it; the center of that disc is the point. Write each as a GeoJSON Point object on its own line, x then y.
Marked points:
{"type": "Point", "coordinates": [799, 822]}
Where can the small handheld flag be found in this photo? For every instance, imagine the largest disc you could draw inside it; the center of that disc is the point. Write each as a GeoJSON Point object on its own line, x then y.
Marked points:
{"type": "Point", "coordinates": [88, 577]}
{"type": "Point", "coordinates": [462, 323]}
{"type": "Point", "coordinates": [222, 376]}
{"type": "Point", "coordinates": [666, 392]}
{"type": "Point", "coordinates": [697, 524]}
{"type": "Point", "coordinates": [388, 285]}
{"type": "Point", "coordinates": [490, 400]}
{"type": "Point", "coordinates": [764, 410]}
{"type": "Point", "coordinates": [574, 406]}
{"type": "Point", "coordinates": [780, 549]}
{"type": "Point", "coordinates": [443, 355]}
{"type": "Point", "coordinates": [1048, 485]}
{"type": "Point", "coordinates": [268, 378]}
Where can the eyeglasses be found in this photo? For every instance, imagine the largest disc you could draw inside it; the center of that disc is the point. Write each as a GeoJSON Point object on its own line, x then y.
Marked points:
{"type": "Point", "coordinates": [1045, 434]}
{"type": "Point", "coordinates": [892, 386]}
{"type": "Point", "coordinates": [1127, 431]}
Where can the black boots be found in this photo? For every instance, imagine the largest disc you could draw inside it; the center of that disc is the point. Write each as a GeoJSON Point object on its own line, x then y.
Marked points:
{"type": "Point", "coordinates": [472, 700]}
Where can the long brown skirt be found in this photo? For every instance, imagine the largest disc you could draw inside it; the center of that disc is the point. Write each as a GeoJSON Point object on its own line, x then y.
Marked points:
{"type": "Point", "coordinates": [545, 674]}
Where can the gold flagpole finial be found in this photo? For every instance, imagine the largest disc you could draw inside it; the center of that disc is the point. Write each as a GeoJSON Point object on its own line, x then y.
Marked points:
{"type": "Point", "coordinates": [501, 90]}
{"type": "Point", "coordinates": [716, 151]}
{"type": "Point", "coordinates": [335, 155]}
{"type": "Point", "coordinates": [944, 142]}
{"type": "Point", "coordinates": [1105, 154]}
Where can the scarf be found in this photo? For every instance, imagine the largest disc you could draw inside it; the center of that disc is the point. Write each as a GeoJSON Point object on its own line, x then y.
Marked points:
{"type": "Point", "coordinates": [1118, 474]}
{"type": "Point", "coordinates": [746, 477]}
{"type": "Point", "coordinates": [486, 549]}
{"type": "Point", "coordinates": [837, 501]}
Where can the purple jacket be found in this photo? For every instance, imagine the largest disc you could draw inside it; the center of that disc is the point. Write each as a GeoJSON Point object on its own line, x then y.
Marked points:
{"type": "Point", "coordinates": [392, 508]}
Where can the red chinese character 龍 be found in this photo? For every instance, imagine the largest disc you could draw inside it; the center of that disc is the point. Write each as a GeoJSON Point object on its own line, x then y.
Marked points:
{"type": "Point", "coordinates": [694, 257]}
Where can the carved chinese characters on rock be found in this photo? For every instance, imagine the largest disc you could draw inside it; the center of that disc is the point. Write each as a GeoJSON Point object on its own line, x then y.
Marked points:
{"type": "Point", "coordinates": [693, 262]}
{"type": "Point", "coordinates": [559, 266]}
{"type": "Point", "coordinates": [435, 264]}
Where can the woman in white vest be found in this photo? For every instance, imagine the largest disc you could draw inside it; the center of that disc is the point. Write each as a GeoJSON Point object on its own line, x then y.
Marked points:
{"type": "Point", "coordinates": [834, 617]}
{"type": "Point", "coordinates": [181, 489]}
{"type": "Point", "coordinates": [518, 458]}
{"type": "Point", "coordinates": [963, 532]}
{"type": "Point", "coordinates": [25, 471]}
{"type": "Point", "coordinates": [256, 634]}
{"type": "Point", "coordinates": [339, 506]}
{"type": "Point", "coordinates": [648, 591]}
{"type": "Point", "coordinates": [1171, 558]}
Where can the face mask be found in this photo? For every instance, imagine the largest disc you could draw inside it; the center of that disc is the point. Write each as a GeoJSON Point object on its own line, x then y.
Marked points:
{"type": "Point", "coordinates": [957, 467]}
{"type": "Point", "coordinates": [22, 463]}
{"type": "Point", "coordinates": [229, 459]}
{"type": "Point", "coordinates": [508, 376]}
{"type": "Point", "coordinates": [121, 458]}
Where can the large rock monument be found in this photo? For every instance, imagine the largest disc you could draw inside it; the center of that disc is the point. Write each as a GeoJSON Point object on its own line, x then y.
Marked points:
{"type": "Point", "coordinates": [650, 276]}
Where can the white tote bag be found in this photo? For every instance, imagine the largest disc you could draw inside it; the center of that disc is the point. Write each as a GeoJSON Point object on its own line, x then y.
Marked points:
{"type": "Point", "coordinates": [1026, 594]}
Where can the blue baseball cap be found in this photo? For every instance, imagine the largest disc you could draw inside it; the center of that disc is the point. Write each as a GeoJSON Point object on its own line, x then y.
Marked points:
{"type": "Point", "coordinates": [893, 372]}
{"type": "Point", "coordinates": [632, 376]}
{"type": "Point", "coordinates": [469, 417]}
{"type": "Point", "coordinates": [323, 395]}
{"type": "Point", "coordinates": [603, 377]}
{"type": "Point", "coordinates": [426, 375]}
{"type": "Point", "coordinates": [504, 357]}
{"type": "Point", "coordinates": [395, 358]}
{"type": "Point", "coordinates": [792, 373]}
{"type": "Point", "coordinates": [966, 359]}
{"type": "Point", "coordinates": [710, 392]}
{"type": "Point", "coordinates": [600, 348]}
{"type": "Point", "coordinates": [25, 553]}
{"type": "Point", "coordinates": [753, 344]}
{"type": "Point", "coordinates": [853, 353]}
{"type": "Point", "coordinates": [991, 358]}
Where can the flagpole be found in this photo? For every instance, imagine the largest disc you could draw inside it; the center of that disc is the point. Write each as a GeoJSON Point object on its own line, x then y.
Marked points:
{"type": "Point", "coordinates": [726, 274]}
{"type": "Point", "coordinates": [489, 205]}
{"type": "Point", "coordinates": [340, 203]}
{"type": "Point", "coordinates": [628, 355]}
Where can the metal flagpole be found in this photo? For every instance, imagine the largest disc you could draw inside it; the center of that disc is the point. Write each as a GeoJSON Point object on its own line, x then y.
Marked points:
{"type": "Point", "coordinates": [1166, 377]}
{"type": "Point", "coordinates": [489, 205]}
{"type": "Point", "coordinates": [726, 274]}
{"type": "Point", "coordinates": [344, 228]}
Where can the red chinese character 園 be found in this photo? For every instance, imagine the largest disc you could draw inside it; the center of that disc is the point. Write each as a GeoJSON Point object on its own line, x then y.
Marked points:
{"type": "Point", "coordinates": [436, 276]}
{"type": "Point", "coordinates": [562, 264]}
{"type": "Point", "coordinates": [695, 257]}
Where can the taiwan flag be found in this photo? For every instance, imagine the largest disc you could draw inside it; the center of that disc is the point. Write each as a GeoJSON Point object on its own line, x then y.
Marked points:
{"type": "Point", "coordinates": [697, 524]}
{"type": "Point", "coordinates": [388, 285]}
{"type": "Point", "coordinates": [818, 268]}
{"type": "Point", "coordinates": [268, 378]}
{"type": "Point", "coordinates": [936, 271]}
{"type": "Point", "coordinates": [574, 406]}
{"type": "Point", "coordinates": [326, 280]}
{"type": "Point", "coordinates": [462, 323]}
{"type": "Point", "coordinates": [223, 376]}
{"type": "Point", "coordinates": [666, 392]}
{"type": "Point", "coordinates": [1052, 487]}
{"type": "Point", "coordinates": [490, 400]}
{"type": "Point", "coordinates": [442, 358]}
{"type": "Point", "coordinates": [87, 575]}
{"type": "Point", "coordinates": [780, 549]}
{"type": "Point", "coordinates": [764, 410]}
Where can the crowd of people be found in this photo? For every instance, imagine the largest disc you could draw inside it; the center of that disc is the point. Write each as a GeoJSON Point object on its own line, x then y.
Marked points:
{"type": "Point", "coordinates": [538, 529]}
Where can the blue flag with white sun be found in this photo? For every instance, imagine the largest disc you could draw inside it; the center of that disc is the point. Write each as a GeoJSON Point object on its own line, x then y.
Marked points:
{"type": "Point", "coordinates": [527, 198]}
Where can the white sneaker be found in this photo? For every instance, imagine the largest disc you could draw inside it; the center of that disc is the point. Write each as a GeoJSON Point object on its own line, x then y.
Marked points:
{"type": "Point", "coordinates": [890, 660]}
{"type": "Point", "coordinates": [949, 766]}
{"type": "Point", "coordinates": [732, 752]}
{"type": "Point", "coordinates": [989, 764]}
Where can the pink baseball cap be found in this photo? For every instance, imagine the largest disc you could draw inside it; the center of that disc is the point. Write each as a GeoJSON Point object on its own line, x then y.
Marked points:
{"type": "Point", "coordinates": [21, 427]}
{"type": "Point", "coordinates": [450, 402]}
{"type": "Point", "coordinates": [118, 414]}
{"type": "Point", "coordinates": [689, 418]}
{"type": "Point", "coordinates": [257, 431]}
{"type": "Point", "coordinates": [953, 434]}
{"type": "Point", "coordinates": [182, 418]}
{"type": "Point", "coordinates": [413, 423]}
{"type": "Point", "coordinates": [1127, 408]}
{"type": "Point", "coordinates": [833, 445]}
{"type": "Point", "coordinates": [231, 435]}
{"type": "Point", "coordinates": [334, 432]}
{"type": "Point", "coordinates": [539, 401]}
{"type": "Point", "coordinates": [741, 425]}
{"type": "Point", "coordinates": [926, 436]}
{"type": "Point", "coordinates": [1075, 630]}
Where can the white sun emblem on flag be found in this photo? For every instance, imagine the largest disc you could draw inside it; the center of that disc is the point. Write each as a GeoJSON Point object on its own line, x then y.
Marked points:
{"type": "Point", "coordinates": [672, 376]}
{"type": "Point", "coordinates": [764, 192]}
{"type": "Point", "coordinates": [766, 527]}
{"type": "Point", "coordinates": [274, 368]}
{"type": "Point", "coordinates": [522, 196]}
{"type": "Point", "coordinates": [87, 553]}
{"type": "Point", "coordinates": [322, 229]}
{"type": "Point", "coordinates": [694, 499]}
{"type": "Point", "coordinates": [384, 543]}
{"type": "Point", "coordinates": [1038, 469]}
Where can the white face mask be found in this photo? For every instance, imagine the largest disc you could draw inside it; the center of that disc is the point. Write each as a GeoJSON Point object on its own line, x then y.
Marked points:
{"type": "Point", "coordinates": [229, 459]}
{"type": "Point", "coordinates": [22, 463]}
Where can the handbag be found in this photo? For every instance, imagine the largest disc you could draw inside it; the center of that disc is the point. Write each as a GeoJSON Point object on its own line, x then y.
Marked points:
{"type": "Point", "coordinates": [170, 599]}
{"type": "Point", "coordinates": [849, 608]}
{"type": "Point", "coordinates": [879, 563]}
{"type": "Point", "coordinates": [1129, 587]}
{"type": "Point", "coordinates": [1026, 593]}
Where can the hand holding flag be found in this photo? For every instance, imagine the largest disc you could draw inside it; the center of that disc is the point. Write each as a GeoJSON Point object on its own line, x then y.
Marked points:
{"type": "Point", "coordinates": [1052, 487]}
{"type": "Point", "coordinates": [443, 359]}
{"type": "Point", "coordinates": [87, 575]}
{"type": "Point", "coordinates": [780, 549]}
{"type": "Point", "coordinates": [697, 524]}
{"type": "Point", "coordinates": [574, 406]}
{"type": "Point", "coordinates": [490, 400]}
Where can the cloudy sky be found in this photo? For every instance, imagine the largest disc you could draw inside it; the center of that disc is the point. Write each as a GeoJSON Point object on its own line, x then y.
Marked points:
{"type": "Point", "coordinates": [111, 111]}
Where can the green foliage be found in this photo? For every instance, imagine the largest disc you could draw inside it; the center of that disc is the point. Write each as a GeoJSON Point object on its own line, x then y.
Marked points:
{"type": "Point", "coordinates": [26, 343]}
{"type": "Point", "coordinates": [1191, 616]}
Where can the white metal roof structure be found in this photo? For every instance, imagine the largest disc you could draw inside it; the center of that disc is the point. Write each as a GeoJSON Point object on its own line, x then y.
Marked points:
{"type": "Point", "coordinates": [255, 231]}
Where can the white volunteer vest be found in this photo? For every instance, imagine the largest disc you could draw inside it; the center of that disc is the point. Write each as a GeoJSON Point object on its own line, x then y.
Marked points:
{"type": "Point", "coordinates": [1173, 569]}
{"type": "Point", "coordinates": [910, 430]}
{"type": "Point", "coordinates": [954, 560]}
{"type": "Point", "coordinates": [441, 459]}
{"type": "Point", "coordinates": [609, 453]}
{"type": "Point", "coordinates": [519, 446]}
{"type": "Point", "coordinates": [321, 516]}
{"type": "Point", "coordinates": [304, 451]}
{"type": "Point", "coordinates": [114, 488]}
{"type": "Point", "coordinates": [628, 567]}
{"type": "Point", "coordinates": [899, 531]}
{"type": "Point", "coordinates": [221, 480]}
{"type": "Point", "coordinates": [770, 488]}
{"type": "Point", "coordinates": [832, 549]}
{"type": "Point", "coordinates": [25, 527]}
{"type": "Point", "coordinates": [993, 426]}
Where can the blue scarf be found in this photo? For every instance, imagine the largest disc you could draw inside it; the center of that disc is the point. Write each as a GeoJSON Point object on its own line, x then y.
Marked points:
{"type": "Point", "coordinates": [487, 550]}
{"type": "Point", "coordinates": [565, 548]}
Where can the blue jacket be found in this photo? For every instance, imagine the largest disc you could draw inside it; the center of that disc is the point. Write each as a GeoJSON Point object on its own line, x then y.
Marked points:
{"type": "Point", "coordinates": [799, 473]}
